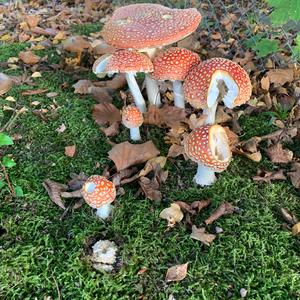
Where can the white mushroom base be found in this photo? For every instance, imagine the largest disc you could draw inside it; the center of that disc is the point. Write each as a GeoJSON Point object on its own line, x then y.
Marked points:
{"type": "Point", "coordinates": [152, 91]}
{"type": "Point", "coordinates": [205, 176]}
{"type": "Point", "coordinates": [104, 211]}
{"type": "Point", "coordinates": [135, 134]}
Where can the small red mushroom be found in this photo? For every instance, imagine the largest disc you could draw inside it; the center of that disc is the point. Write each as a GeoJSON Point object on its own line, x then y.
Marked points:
{"type": "Point", "coordinates": [98, 192]}
{"type": "Point", "coordinates": [201, 85]}
{"type": "Point", "coordinates": [208, 146]}
{"type": "Point", "coordinates": [132, 118]}
{"type": "Point", "coordinates": [128, 62]}
{"type": "Point", "coordinates": [174, 64]}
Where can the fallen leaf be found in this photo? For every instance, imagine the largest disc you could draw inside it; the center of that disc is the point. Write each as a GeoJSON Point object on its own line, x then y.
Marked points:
{"type": "Point", "coordinates": [295, 175]}
{"type": "Point", "coordinates": [195, 122]}
{"type": "Point", "coordinates": [177, 273]}
{"type": "Point", "coordinates": [125, 154]}
{"type": "Point", "coordinates": [82, 87]}
{"type": "Point", "coordinates": [32, 20]}
{"type": "Point", "coordinates": [36, 75]}
{"type": "Point", "coordinates": [290, 218]}
{"type": "Point", "coordinates": [279, 155]}
{"type": "Point", "coordinates": [151, 164]}
{"type": "Point", "coordinates": [75, 44]}
{"type": "Point", "coordinates": [175, 150]}
{"type": "Point", "coordinates": [195, 207]}
{"type": "Point", "coordinates": [296, 229]}
{"type": "Point", "coordinates": [281, 76]}
{"type": "Point", "coordinates": [51, 94]}
{"type": "Point", "coordinates": [70, 150]}
{"type": "Point", "coordinates": [111, 130]}
{"type": "Point", "coordinates": [29, 58]}
{"type": "Point", "coordinates": [222, 116]}
{"type": "Point", "coordinates": [34, 92]}
{"type": "Point", "coordinates": [106, 113]}
{"type": "Point", "coordinates": [225, 208]}
{"type": "Point", "coordinates": [232, 137]}
{"type": "Point", "coordinates": [101, 94]}
{"type": "Point", "coordinates": [172, 214]}
{"type": "Point", "coordinates": [61, 128]}
{"type": "Point", "coordinates": [5, 83]}
{"type": "Point", "coordinates": [54, 190]}
{"type": "Point", "coordinates": [200, 235]}
{"type": "Point", "coordinates": [170, 116]}
{"type": "Point", "coordinates": [266, 176]}
{"type": "Point", "coordinates": [265, 83]}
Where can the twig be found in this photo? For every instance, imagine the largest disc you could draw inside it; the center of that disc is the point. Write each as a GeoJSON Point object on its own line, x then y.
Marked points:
{"type": "Point", "coordinates": [13, 118]}
{"type": "Point", "coordinates": [12, 191]}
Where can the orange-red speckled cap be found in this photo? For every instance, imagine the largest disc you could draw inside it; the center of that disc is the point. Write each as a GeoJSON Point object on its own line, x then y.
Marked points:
{"type": "Point", "coordinates": [98, 191]}
{"type": "Point", "coordinates": [174, 64]}
{"type": "Point", "coordinates": [197, 83]}
{"type": "Point", "coordinates": [132, 117]}
{"type": "Point", "coordinates": [140, 26]}
{"type": "Point", "coordinates": [200, 147]}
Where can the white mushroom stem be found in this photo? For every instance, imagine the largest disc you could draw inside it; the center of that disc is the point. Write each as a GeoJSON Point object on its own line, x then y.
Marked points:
{"type": "Point", "coordinates": [178, 94]}
{"type": "Point", "coordinates": [135, 133]}
{"type": "Point", "coordinates": [136, 93]}
{"type": "Point", "coordinates": [204, 176]}
{"type": "Point", "coordinates": [211, 113]}
{"type": "Point", "coordinates": [152, 91]}
{"type": "Point", "coordinates": [104, 211]}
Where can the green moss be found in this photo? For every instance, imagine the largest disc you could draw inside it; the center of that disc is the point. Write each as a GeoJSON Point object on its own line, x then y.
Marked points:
{"type": "Point", "coordinates": [39, 250]}
{"type": "Point", "coordinates": [86, 29]}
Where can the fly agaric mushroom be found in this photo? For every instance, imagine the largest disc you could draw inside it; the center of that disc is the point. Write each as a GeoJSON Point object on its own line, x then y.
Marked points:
{"type": "Point", "coordinates": [98, 192]}
{"type": "Point", "coordinates": [5, 83]}
{"type": "Point", "coordinates": [208, 146]}
{"type": "Point", "coordinates": [201, 86]}
{"type": "Point", "coordinates": [132, 118]}
{"type": "Point", "coordinates": [146, 27]}
{"type": "Point", "coordinates": [128, 62]}
{"type": "Point", "coordinates": [174, 64]}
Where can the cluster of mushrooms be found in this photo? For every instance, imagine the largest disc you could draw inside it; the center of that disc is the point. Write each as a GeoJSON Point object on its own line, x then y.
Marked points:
{"type": "Point", "coordinates": [140, 32]}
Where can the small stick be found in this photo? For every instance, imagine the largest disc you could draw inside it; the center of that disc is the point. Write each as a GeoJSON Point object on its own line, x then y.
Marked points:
{"type": "Point", "coordinates": [12, 191]}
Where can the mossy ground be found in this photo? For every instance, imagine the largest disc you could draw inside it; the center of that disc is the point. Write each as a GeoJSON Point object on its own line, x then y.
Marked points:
{"type": "Point", "coordinates": [41, 254]}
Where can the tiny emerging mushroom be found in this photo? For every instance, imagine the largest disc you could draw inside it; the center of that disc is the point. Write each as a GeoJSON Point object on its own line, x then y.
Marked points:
{"type": "Point", "coordinates": [201, 85]}
{"type": "Point", "coordinates": [208, 146]}
{"type": "Point", "coordinates": [174, 64]}
{"type": "Point", "coordinates": [132, 118]}
{"type": "Point", "coordinates": [128, 62]}
{"type": "Point", "coordinates": [98, 192]}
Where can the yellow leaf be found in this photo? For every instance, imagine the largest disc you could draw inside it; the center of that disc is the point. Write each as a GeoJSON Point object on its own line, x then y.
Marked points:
{"type": "Point", "coordinates": [296, 229]}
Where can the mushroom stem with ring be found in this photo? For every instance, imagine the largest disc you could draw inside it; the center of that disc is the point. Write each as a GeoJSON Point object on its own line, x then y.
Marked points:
{"type": "Point", "coordinates": [135, 133]}
{"type": "Point", "coordinates": [178, 94]}
{"type": "Point", "coordinates": [152, 91]}
{"type": "Point", "coordinates": [104, 211]}
{"type": "Point", "coordinates": [204, 176]}
{"type": "Point", "coordinates": [136, 93]}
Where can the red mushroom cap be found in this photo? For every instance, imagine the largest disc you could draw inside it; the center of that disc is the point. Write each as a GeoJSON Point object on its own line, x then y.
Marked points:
{"type": "Point", "coordinates": [140, 26]}
{"type": "Point", "coordinates": [208, 145]}
{"type": "Point", "coordinates": [124, 61]}
{"type": "Point", "coordinates": [132, 117]}
{"type": "Point", "coordinates": [98, 191]}
{"type": "Point", "coordinates": [174, 64]}
{"type": "Point", "coordinates": [197, 83]}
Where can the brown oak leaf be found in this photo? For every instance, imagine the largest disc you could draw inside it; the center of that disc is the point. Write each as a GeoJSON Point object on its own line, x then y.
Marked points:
{"type": "Point", "coordinates": [279, 155]}
{"type": "Point", "coordinates": [29, 58]}
{"type": "Point", "coordinates": [176, 273]}
{"type": "Point", "coordinates": [199, 234]}
{"type": "Point", "coordinates": [295, 175]}
{"type": "Point", "coordinates": [266, 176]}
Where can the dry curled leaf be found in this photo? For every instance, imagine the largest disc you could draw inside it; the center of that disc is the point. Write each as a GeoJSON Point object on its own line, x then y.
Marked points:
{"type": "Point", "coordinates": [295, 175]}
{"type": "Point", "coordinates": [281, 76]}
{"type": "Point", "coordinates": [225, 208]}
{"type": "Point", "coordinates": [54, 189]}
{"type": "Point", "coordinates": [82, 87]}
{"type": "Point", "coordinates": [172, 214]}
{"type": "Point", "coordinates": [176, 273]}
{"type": "Point", "coordinates": [296, 229]}
{"type": "Point", "coordinates": [5, 83]}
{"type": "Point", "coordinates": [199, 234]}
{"type": "Point", "coordinates": [70, 150]}
{"type": "Point", "coordinates": [106, 113]}
{"type": "Point", "coordinates": [195, 207]}
{"type": "Point", "coordinates": [76, 44]}
{"type": "Point", "coordinates": [125, 154]}
{"type": "Point", "coordinates": [175, 150]}
{"type": "Point", "coordinates": [266, 176]}
{"type": "Point", "coordinates": [29, 58]}
{"type": "Point", "coordinates": [289, 217]}
{"type": "Point", "coordinates": [279, 155]}
{"type": "Point", "coordinates": [34, 92]}
{"type": "Point", "coordinates": [195, 122]}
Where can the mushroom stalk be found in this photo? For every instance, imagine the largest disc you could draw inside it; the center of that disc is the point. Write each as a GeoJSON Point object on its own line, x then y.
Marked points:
{"type": "Point", "coordinates": [204, 176]}
{"type": "Point", "coordinates": [104, 211]}
{"type": "Point", "coordinates": [135, 134]}
{"type": "Point", "coordinates": [211, 113]}
{"type": "Point", "coordinates": [136, 93]}
{"type": "Point", "coordinates": [152, 91]}
{"type": "Point", "coordinates": [178, 94]}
